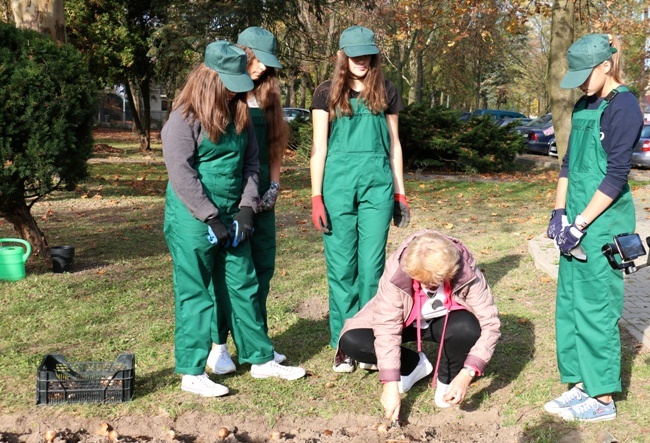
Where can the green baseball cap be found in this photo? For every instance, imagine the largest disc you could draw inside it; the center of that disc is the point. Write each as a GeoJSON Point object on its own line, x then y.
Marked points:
{"type": "Point", "coordinates": [357, 40]}
{"type": "Point", "coordinates": [583, 56]}
{"type": "Point", "coordinates": [229, 62]}
{"type": "Point", "coordinates": [263, 44]}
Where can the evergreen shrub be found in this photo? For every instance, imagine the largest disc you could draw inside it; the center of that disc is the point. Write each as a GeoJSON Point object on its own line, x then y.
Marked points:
{"type": "Point", "coordinates": [437, 138]}
{"type": "Point", "coordinates": [47, 108]}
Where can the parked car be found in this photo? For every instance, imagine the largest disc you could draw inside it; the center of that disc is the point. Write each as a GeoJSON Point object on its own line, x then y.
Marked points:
{"type": "Point", "coordinates": [465, 116]}
{"type": "Point", "coordinates": [522, 121]}
{"type": "Point", "coordinates": [293, 113]}
{"type": "Point", "coordinates": [641, 154]}
{"type": "Point", "coordinates": [540, 135]}
{"type": "Point", "coordinates": [497, 113]}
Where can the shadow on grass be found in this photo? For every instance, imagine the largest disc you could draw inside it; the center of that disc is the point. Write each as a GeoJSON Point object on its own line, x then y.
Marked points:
{"type": "Point", "coordinates": [516, 348]}
{"type": "Point", "coordinates": [550, 429]}
{"type": "Point", "coordinates": [306, 337]}
{"type": "Point", "coordinates": [150, 382]}
{"type": "Point", "coordinates": [495, 271]}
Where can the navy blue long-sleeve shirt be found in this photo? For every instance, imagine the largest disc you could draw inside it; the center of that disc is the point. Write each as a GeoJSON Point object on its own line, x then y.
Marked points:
{"type": "Point", "coordinates": [620, 127]}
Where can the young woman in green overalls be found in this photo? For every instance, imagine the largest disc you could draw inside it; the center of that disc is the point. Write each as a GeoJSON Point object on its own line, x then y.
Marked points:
{"type": "Point", "coordinates": [272, 133]}
{"type": "Point", "coordinates": [356, 175]}
{"type": "Point", "coordinates": [210, 153]}
{"type": "Point", "coordinates": [593, 204]}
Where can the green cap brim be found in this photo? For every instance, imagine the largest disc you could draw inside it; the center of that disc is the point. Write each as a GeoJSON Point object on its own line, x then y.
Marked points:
{"type": "Point", "coordinates": [267, 59]}
{"type": "Point", "coordinates": [359, 50]}
{"type": "Point", "coordinates": [237, 82]}
{"type": "Point", "coordinates": [573, 79]}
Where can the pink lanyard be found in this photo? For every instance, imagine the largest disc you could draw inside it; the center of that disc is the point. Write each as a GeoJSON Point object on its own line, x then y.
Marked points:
{"type": "Point", "coordinates": [418, 297]}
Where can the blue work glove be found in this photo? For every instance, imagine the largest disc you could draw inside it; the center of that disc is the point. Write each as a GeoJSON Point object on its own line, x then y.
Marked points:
{"type": "Point", "coordinates": [568, 238]}
{"type": "Point", "coordinates": [218, 233]}
{"type": "Point", "coordinates": [557, 222]}
{"type": "Point", "coordinates": [242, 225]}
{"type": "Point", "coordinates": [270, 197]}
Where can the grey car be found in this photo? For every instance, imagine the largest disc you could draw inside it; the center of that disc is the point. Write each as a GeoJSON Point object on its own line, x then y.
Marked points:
{"type": "Point", "coordinates": [299, 113]}
{"type": "Point", "coordinates": [641, 154]}
{"type": "Point", "coordinates": [540, 135]}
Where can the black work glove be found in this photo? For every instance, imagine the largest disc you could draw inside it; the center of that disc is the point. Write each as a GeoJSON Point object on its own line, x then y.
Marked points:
{"type": "Point", "coordinates": [401, 211]}
{"type": "Point", "coordinates": [557, 222]}
{"type": "Point", "coordinates": [242, 225]}
{"type": "Point", "coordinates": [218, 233]}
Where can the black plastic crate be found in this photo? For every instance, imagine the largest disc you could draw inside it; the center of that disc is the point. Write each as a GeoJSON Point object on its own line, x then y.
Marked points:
{"type": "Point", "coordinates": [59, 381]}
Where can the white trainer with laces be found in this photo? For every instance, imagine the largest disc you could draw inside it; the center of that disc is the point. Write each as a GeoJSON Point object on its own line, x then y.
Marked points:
{"type": "Point", "coordinates": [219, 360]}
{"type": "Point", "coordinates": [273, 369]}
{"type": "Point", "coordinates": [423, 369]}
{"type": "Point", "coordinates": [202, 385]}
{"type": "Point", "coordinates": [346, 366]}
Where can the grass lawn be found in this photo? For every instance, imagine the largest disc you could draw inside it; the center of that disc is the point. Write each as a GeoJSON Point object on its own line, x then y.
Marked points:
{"type": "Point", "coordinates": [120, 299]}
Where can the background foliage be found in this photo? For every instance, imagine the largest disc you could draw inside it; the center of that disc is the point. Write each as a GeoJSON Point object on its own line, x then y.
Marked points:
{"type": "Point", "coordinates": [47, 107]}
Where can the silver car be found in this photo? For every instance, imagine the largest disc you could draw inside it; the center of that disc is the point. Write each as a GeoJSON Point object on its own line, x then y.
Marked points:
{"type": "Point", "coordinates": [641, 154]}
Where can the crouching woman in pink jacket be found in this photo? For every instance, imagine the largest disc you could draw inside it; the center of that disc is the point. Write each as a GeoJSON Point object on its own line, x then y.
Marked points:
{"type": "Point", "coordinates": [431, 288]}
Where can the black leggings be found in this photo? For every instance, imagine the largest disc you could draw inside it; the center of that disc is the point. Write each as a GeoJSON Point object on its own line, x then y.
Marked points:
{"type": "Point", "coordinates": [463, 330]}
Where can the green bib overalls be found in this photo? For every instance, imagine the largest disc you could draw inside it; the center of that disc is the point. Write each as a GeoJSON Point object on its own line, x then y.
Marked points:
{"type": "Point", "coordinates": [590, 293]}
{"type": "Point", "coordinates": [358, 195]}
{"type": "Point", "coordinates": [262, 241]}
{"type": "Point", "coordinates": [207, 279]}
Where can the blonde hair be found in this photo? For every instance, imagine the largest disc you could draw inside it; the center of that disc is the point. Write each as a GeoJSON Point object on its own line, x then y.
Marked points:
{"type": "Point", "coordinates": [205, 98]}
{"type": "Point", "coordinates": [267, 93]}
{"type": "Point", "coordinates": [431, 259]}
{"type": "Point", "coordinates": [616, 61]}
{"type": "Point", "coordinates": [373, 94]}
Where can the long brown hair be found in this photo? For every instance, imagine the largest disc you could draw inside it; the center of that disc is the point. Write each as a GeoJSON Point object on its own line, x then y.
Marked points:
{"type": "Point", "coordinates": [617, 60]}
{"type": "Point", "coordinates": [267, 93]}
{"type": "Point", "coordinates": [373, 94]}
{"type": "Point", "coordinates": [204, 97]}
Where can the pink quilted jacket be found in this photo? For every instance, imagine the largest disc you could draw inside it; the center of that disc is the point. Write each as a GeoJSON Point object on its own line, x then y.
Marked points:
{"type": "Point", "coordinates": [388, 311]}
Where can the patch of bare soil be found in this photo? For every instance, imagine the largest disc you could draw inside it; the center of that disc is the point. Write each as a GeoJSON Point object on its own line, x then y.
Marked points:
{"type": "Point", "coordinates": [451, 426]}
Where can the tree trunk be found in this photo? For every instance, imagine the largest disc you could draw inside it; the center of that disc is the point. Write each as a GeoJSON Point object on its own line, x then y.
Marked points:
{"type": "Point", "coordinates": [44, 16]}
{"type": "Point", "coordinates": [17, 212]}
{"type": "Point", "coordinates": [419, 77]}
{"type": "Point", "coordinates": [561, 99]}
{"type": "Point", "coordinates": [145, 131]}
{"type": "Point", "coordinates": [291, 92]}
{"type": "Point", "coordinates": [138, 121]}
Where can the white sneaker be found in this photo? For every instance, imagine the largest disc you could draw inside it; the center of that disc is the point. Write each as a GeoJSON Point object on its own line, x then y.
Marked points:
{"type": "Point", "coordinates": [273, 369]}
{"type": "Point", "coordinates": [219, 360]}
{"type": "Point", "coordinates": [345, 366]}
{"type": "Point", "coordinates": [368, 366]}
{"type": "Point", "coordinates": [423, 369]}
{"type": "Point", "coordinates": [438, 397]}
{"type": "Point", "coordinates": [202, 385]}
{"type": "Point", "coordinates": [279, 358]}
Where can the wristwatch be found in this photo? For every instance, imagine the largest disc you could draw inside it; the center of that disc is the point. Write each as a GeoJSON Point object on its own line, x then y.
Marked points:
{"type": "Point", "coordinates": [471, 371]}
